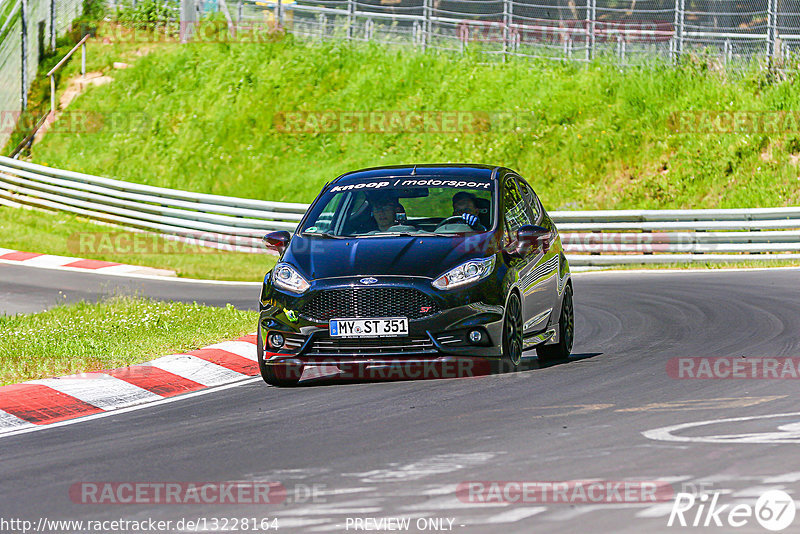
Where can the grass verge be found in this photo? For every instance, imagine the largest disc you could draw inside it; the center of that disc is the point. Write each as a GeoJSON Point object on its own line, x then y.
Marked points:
{"type": "Point", "coordinates": [223, 118]}
{"type": "Point", "coordinates": [61, 234]}
{"type": "Point", "coordinates": [121, 331]}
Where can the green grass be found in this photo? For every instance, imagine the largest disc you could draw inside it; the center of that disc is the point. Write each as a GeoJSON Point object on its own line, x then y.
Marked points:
{"type": "Point", "coordinates": [207, 117]}
{"type": "Point", "coordinates": [60, 234]}
{"type": "Point", "coordinates": [5, 12]}
{"type": "Point", "coordinates": [100, 57]}
{"type": "Point", "coordinates": [586, 136]}
{"type": "Point", "coordinates": [86, 337]}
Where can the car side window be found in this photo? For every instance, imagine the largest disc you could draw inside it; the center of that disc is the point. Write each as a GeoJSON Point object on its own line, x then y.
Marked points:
{"type": "Point", "coordinates": [515, 214]}
{"type": "Point", "coordinates": [531, 198]}
{"type": "Point", "coordinates": [327, 216]}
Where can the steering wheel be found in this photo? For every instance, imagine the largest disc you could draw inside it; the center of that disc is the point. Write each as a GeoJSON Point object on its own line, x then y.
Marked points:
{"type": "Point", "coordinates": [451, 220]}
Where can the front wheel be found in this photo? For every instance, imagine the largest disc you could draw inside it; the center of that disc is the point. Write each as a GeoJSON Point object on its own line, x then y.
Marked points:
{"type": "Point", "coordinates": [279, 375]}
{"type": "Point", "coordinates": [512, 334]}
{"type": "Point", "coordinates": [566, 333]}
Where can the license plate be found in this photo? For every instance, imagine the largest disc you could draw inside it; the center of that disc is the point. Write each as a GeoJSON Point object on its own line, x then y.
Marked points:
{"type": "Point", "coordinates": [382, 327]}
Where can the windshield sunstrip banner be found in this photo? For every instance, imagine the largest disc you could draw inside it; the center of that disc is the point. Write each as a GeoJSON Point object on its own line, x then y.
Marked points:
{"type": "Point", "coordinates": [413, 182]}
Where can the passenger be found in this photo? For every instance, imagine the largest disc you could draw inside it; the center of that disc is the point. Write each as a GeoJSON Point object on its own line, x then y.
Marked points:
{"type": "Point", "coordinates": [384, 210]}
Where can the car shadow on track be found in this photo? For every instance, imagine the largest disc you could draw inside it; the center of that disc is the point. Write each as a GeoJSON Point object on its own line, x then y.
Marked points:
{"type": "Point", "coordinates": [331, 375]}
{"type": "Point", "coordinates": [529, 364]}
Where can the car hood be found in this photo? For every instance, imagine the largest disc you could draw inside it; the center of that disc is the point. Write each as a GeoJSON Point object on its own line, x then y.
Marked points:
{"type": "Point", "coordinates": [426, 256]}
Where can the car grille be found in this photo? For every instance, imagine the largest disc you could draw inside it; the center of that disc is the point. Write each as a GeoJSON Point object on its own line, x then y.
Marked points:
{"type": "Point", "coordinates": [374, 346]}
{"type": "Point", "coordinates": [369, 302]}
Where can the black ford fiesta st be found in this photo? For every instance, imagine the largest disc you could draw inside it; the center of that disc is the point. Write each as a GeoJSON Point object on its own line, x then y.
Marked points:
{"type": "Point", "coordinates": [416, 264]}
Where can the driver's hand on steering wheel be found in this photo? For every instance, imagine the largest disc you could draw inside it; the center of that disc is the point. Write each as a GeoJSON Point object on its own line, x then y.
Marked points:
{"type": "Point", "coordinates": [471, 220]}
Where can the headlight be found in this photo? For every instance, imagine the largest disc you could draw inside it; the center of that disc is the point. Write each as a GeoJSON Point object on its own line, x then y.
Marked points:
{"type": "Point", "coordinates": [286, 277]}
{"type": "Point", "coordinates": [466, 273]}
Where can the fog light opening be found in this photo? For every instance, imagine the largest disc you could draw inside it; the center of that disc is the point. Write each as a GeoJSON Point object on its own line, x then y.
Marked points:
{"type": "Point", "coordinates": [276, 340]}
{"type": "Point", "coordinates": [475, 336]}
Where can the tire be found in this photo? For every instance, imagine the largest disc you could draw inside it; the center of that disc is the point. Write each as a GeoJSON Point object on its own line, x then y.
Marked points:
{"type": "Point", "coordinates": [280, 375]}
{"type": "Point", "coordinates": [566, 333]}
{"type": "Point", "coordinates": [512, 334]}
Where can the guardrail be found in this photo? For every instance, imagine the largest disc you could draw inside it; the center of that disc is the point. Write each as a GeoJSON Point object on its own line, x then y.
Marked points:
{"type": "Point", "coordinates": [213, 220]}
{"type": "Point", "coordinates": [589, 237]}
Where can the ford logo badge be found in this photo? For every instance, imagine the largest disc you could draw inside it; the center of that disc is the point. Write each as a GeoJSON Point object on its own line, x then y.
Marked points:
{"type": "Point", "coordinates": [368, 281]}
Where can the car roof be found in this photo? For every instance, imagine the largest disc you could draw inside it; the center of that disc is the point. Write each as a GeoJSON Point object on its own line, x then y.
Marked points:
{"type": "Point", "coordinates": [462, 170]}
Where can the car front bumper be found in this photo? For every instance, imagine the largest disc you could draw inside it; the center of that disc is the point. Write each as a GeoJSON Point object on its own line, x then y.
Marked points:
{"type": "Point", "coordinates": [442, 336]}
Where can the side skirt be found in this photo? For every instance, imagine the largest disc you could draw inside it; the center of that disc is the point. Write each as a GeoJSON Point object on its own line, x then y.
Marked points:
{"type": "Point", "coordinates": [548, 337]}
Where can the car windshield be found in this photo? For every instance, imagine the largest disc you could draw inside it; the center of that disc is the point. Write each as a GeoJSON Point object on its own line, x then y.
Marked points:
{"type": "Point", "coordinates": [402, 206]}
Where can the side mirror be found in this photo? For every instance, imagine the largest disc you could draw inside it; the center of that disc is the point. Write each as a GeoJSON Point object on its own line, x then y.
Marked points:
{"type": "Point", "coordinates": [277, 240]}
{"type": "Point", "coordinates": [530, 236]}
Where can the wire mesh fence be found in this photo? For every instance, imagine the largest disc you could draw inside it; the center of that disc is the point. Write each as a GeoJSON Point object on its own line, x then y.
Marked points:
{"type": "Point", "coordinates": [29, 30]}
{"type": "Point", "coordinates": [630, 31]}
{"type": "Point", "coordinates": [26, 34]}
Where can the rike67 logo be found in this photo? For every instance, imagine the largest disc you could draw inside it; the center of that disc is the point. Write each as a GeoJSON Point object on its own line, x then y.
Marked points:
{"type": "Point", "coordinates": [774, 510]}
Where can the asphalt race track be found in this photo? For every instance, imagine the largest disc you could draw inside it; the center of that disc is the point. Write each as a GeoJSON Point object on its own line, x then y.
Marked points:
{"type": "Point", "coordinates": [26, 289]}
{"type": "Point", "coordinates": [388, 449]}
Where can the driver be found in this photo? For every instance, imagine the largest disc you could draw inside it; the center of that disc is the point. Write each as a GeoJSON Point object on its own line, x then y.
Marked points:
{"type": "Point", "coordinates": [466, 205]}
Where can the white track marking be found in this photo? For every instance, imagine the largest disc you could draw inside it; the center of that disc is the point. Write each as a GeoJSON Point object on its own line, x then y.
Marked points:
{"type": "Point", "coordinates": [435, 465]}
{"type": "Point", "coordinates": [125, 269]}
{"type": "Point", "coordinates": [344, 491]}
{"type": "Point", "coordinates": [451, 503]}
{"type": "Point", "coordinates": [755, 492]}
{"type": "Point", "coordinates": [48, 261]}
{"type": "Point", "coordinates": [657, 510]}
{"type": "Point", "coordinates": [135, 275]}
{"type": "Point", "coordinates": [35, 428]}
{"type": "Point", "coordinates": [449, 489]}
{"type": "Point", "coordinates": [511, 516]}
{"type": "Point", "coordinates": [789, 433]}
{"type": "Point", "coordinates": [242, 348]}
{"type": "Point", "coordinates": [101, 390]}
{"type": "Point", "coordinates": [8, 420]}
{"type": "Point", "coordinates": [787, 478]}
{"type": "Point", "coordinates": [302, 512]}
{"type": "Point", "coordinates": [196, 369]}
{"type": "Point", "coordinates": [583, 509]}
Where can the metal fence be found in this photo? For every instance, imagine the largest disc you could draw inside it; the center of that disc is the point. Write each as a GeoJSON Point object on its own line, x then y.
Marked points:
{"type": "Point", "coordinates": [589, 237]}
{"type": "Point", "coordinates": [28, 29]}
{"type": "Point", "coordinates": [628, 31]}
